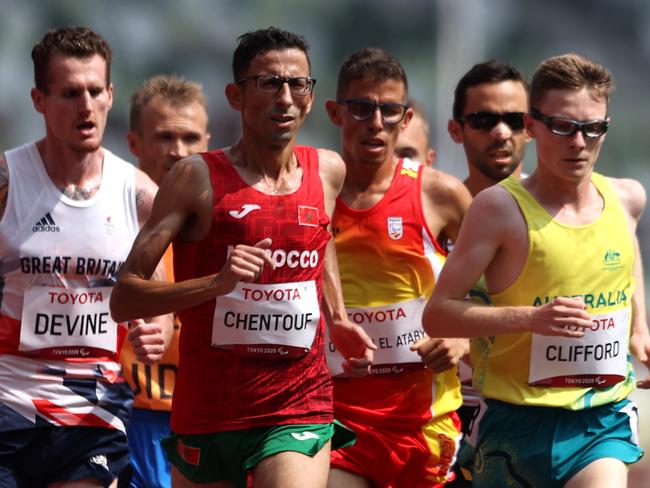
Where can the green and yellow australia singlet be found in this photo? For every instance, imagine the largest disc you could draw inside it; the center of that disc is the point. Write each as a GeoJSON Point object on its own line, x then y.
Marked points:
{"type": "Point", "coordinates": [593, 261]}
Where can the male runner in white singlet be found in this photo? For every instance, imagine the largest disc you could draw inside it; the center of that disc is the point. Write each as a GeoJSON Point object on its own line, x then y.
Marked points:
{"type": "Point", "coordinates": [69, 210]}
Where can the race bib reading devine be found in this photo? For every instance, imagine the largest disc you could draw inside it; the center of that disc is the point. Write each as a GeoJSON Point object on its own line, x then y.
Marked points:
{"type": "Point", "coordinates": [598, 359]}
{"type": "Point", "coordinates": [70, 322]}
{"type": "Point", "coordinates": [393, 328]}
{"type": "Point", "coordinates": [276, 320]}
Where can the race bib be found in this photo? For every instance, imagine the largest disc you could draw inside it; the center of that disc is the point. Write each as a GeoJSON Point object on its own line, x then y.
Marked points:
{"type": "Point", "coordinates": [275, 320]}
{"type": "Point", "coordinates": [599, 359]}
{"type": "Point", "coordinates": [67, 322]}
{"type": "Point", "coordinates": [393, 328]}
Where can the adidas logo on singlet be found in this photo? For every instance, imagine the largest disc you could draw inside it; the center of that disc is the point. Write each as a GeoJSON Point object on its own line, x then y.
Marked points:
{"type": "Point", "coordinates": [100, 460]}
{"type": "Point", "coordinates": [46, 224]}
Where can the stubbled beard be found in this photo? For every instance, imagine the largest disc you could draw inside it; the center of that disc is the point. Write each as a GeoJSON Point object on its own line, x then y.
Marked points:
{"type": "Point", "coordinates": [85, 147]}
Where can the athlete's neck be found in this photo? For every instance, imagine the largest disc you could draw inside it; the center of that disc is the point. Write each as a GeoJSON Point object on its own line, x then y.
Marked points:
{"type": "Point", "coordinates": [273, 173]}
{"type": "Point", "coordinates": [366, 183]}
{"type": "Point", "coordinates": [570, 201]}
{"type": "Point", "coordinates": [478, 181]}
{"type": "Point", "coordinates": [363, 175]}
{"type": "Point", "coordinates": [76, 174]}
{"type": "Point", "coordinates": [266, 161]}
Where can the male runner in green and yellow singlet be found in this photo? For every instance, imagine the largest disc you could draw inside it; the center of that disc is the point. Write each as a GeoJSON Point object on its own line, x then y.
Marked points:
{"type": "Point", "coordinates": [560, 267]}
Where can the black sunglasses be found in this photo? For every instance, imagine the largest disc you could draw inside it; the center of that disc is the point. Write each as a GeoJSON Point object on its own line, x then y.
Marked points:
{"type": "Point", "coordinates": [592, 129]}
{"type": "Point", "coordinates": [301, 85]}
{"type": "Point", "coordinates": [487, 120]}
{"type": "Point", "coordinates": [361, 109]}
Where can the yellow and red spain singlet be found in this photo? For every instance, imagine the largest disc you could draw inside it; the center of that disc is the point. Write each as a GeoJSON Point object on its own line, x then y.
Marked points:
{"type": "Point", "coordinates": [254, 357]}
{"type": "Point", "coordinates": [153, 385]}
{"type": "Point", "coordinates": [59, 346]}
{"type": "Point", "coordinates": [593, 261]}
{"type": "Point", "coordinates": [389, 263]}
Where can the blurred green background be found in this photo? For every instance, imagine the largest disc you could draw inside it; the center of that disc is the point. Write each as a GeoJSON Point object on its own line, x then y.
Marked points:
{"type": "Point", "coordinates": [436, 41]}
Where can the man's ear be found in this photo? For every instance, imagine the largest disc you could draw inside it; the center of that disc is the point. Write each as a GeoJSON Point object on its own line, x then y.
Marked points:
{"type": "Point", "coordinates": [529, 124]}
{"type": "Point", "coordinates": [234, 96]}
{"type": "Point", "coordinates": [455, 131]}
{"type": "Point", "coordinates": [431, 157]}
{"type": "Point", "coordinates": [37, 99]}
{"type": "Point", "coordinates": [132, 139]}
{"type": "Point", "coordinates": [334, 111]}
{"type": "Point", "coordinates": [109, 90]}
{"type": "Point", "coordinates": [406, 120]}
{"type": "Point", "coordinates": [310, 103]}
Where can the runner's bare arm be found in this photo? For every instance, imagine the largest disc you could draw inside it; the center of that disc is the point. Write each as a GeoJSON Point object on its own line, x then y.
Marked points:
{"type": "Point", "coordinates": [4, 184]}
{"type": "Point", "coordinates": [145, 192]}
{"type": "Point", "coordinates": [350, 340]}
{"type": "Point", "coordinates": [447, 314]}
{"type": "Point", "coordinates": [439, 355]}
{"type": "Point", "coordinates": [332, 174]}
{"type": "Point", "coordinates": [182, 207]}
{"type": "Point", "coordinates": [444, 201]}
{"type": "Point", "coordinates": [633, 198]}
{"type": "Point", "coordinates": [150, 336]}
{"type": "Point", "coordinates": [640, 337]}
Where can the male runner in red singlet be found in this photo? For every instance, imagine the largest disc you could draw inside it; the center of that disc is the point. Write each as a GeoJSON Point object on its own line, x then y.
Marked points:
{"type": "Point", "coordinates": [253, 263]}
{"type": "Point", "coordinates": [69, 212]}
{"type": "Point", "coordinates": [386, 221]}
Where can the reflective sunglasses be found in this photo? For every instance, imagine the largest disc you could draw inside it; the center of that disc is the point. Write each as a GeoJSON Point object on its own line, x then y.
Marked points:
{"type": "Point", "coordinates": [361, 109]}
{"type": "Point", "coordinates": [487, 120]}
{"type": "Point", "coordinates": [301, 85]}
{"type": "Point", "coordinates": [593, 129]}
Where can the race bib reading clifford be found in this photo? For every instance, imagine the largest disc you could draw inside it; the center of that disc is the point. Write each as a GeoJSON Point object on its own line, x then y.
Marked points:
{"type": "Point", "coordinates": [274, 319]}
{"type": "Point", "coordinates": [598, 359]}
{"type": "Point", "coordinates": [71, 318]}
{"type": "Point", "coordinates": [394, 329]}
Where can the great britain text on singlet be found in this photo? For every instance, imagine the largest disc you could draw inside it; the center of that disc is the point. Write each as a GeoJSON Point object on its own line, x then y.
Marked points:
{"type": "Point", "coordinates": [66, 264]}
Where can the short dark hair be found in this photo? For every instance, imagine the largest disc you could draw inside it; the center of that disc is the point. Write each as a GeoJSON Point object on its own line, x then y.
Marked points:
{"type": "Point", "coordinates": [261, 41]}
{"type": "Point", "coordinates": [492, 71]}
{"type": "Point", "coordinates": [570, 71]}
{"type": "Point", "coordinates": [373, 63]}
{"type": "Point", "coordinates": [77, 42]}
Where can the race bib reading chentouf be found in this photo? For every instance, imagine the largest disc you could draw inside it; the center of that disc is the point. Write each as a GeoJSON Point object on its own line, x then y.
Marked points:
{"type": "Point", "coordinates": [68, 322]}
{"type": "Point", "coordinates": [393, 328]}
{"type": "Point", "coordinates": [599, 359]}
{"type": "Point", "coordinates": [276, 320]}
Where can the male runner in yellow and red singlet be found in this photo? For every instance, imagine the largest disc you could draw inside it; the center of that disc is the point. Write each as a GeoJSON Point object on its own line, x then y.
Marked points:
{"type": "Point", "coordinates": [386, 221]}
